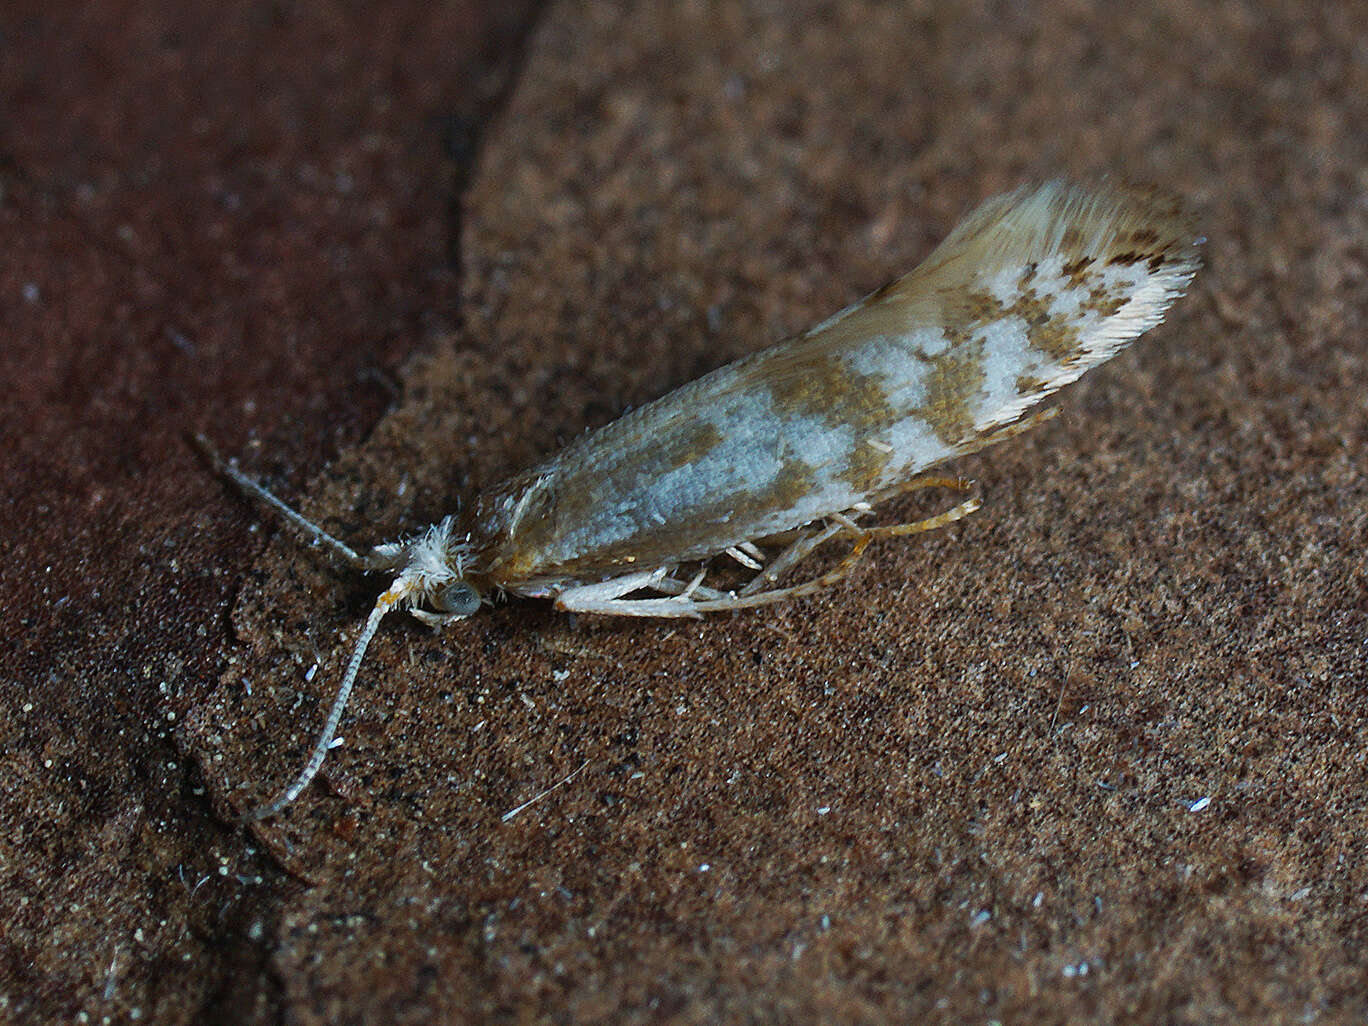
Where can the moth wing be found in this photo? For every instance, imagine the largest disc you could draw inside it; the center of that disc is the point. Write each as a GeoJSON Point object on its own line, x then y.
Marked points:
{"type": "Point", "coordinates": [1025, 295]}
{"type": "Point", "coordinates": [1030, 291]}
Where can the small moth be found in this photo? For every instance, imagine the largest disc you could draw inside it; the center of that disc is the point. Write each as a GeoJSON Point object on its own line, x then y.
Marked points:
{"type": "Point", "coordinates": [794, 445]}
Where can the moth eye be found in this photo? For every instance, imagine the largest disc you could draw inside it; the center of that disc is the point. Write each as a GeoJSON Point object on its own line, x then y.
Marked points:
{"type": "Point", "coordinates": [459, 599]}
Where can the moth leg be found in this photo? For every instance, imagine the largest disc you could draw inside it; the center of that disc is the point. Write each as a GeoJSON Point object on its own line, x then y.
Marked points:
{"type": "Point", "coordinates": [606, 596]}
{"type": "Point", "coordinates": [692, 598]}
{"type": "Point", "coordinates": [801, 547]}
{"type": "Point", "coordinates": [747, 555]}
{"type": "Point", "coordinates": [752, 550]}
{"type": "Point", "coordinates": [957, 484]}
{"type": "Point", "coordinates": [959, 512]}
{"type": "Point", "coordinates": [797, 551]}
{"type": "Point", "coordinates": [751, 595]}
{"type": "Point", "coordinates": [796, 591]}
{"type": "Point", "coordinates": [602, 598]}
{"type": "Point", "coordinates": [929, 524]}
{"type": "Point", "coordinates": [588, 598]}
{"type": "Point", "coordinates": [687, 589]}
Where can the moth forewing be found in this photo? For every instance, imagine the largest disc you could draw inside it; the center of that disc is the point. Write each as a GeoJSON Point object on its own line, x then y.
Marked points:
{"type": "Point", "coordinates": [801, 440]}
{"type": "Point", "coordinates": [1027, 294]}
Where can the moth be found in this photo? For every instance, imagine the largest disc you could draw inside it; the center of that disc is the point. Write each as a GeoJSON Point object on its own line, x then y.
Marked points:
{"type": "Point", "coordinates": [795, 445]}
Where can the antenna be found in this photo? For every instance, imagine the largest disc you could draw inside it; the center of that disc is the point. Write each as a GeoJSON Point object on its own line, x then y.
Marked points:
{"type": "Point", "coordinates": [402, 587]}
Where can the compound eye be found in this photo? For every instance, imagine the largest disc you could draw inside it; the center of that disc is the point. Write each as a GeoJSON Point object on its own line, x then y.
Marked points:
{"type": "Point", "coordinates": [458, 599]}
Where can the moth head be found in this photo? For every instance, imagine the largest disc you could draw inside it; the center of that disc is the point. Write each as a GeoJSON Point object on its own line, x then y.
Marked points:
{"type": "Point", "coordinates": [433, 566]}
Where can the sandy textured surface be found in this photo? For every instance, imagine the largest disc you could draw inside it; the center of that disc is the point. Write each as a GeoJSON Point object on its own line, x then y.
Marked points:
{"type": "Point", "coordinates": [1096, 753]}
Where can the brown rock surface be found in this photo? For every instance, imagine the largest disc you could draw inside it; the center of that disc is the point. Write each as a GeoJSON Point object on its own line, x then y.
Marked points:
{"type": "Point", "coordinates": [1094, 754]}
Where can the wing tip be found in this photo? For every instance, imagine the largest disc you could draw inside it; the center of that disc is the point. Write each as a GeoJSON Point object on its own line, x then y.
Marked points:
{"type": "Point", "coordinates": [1110, 221]}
